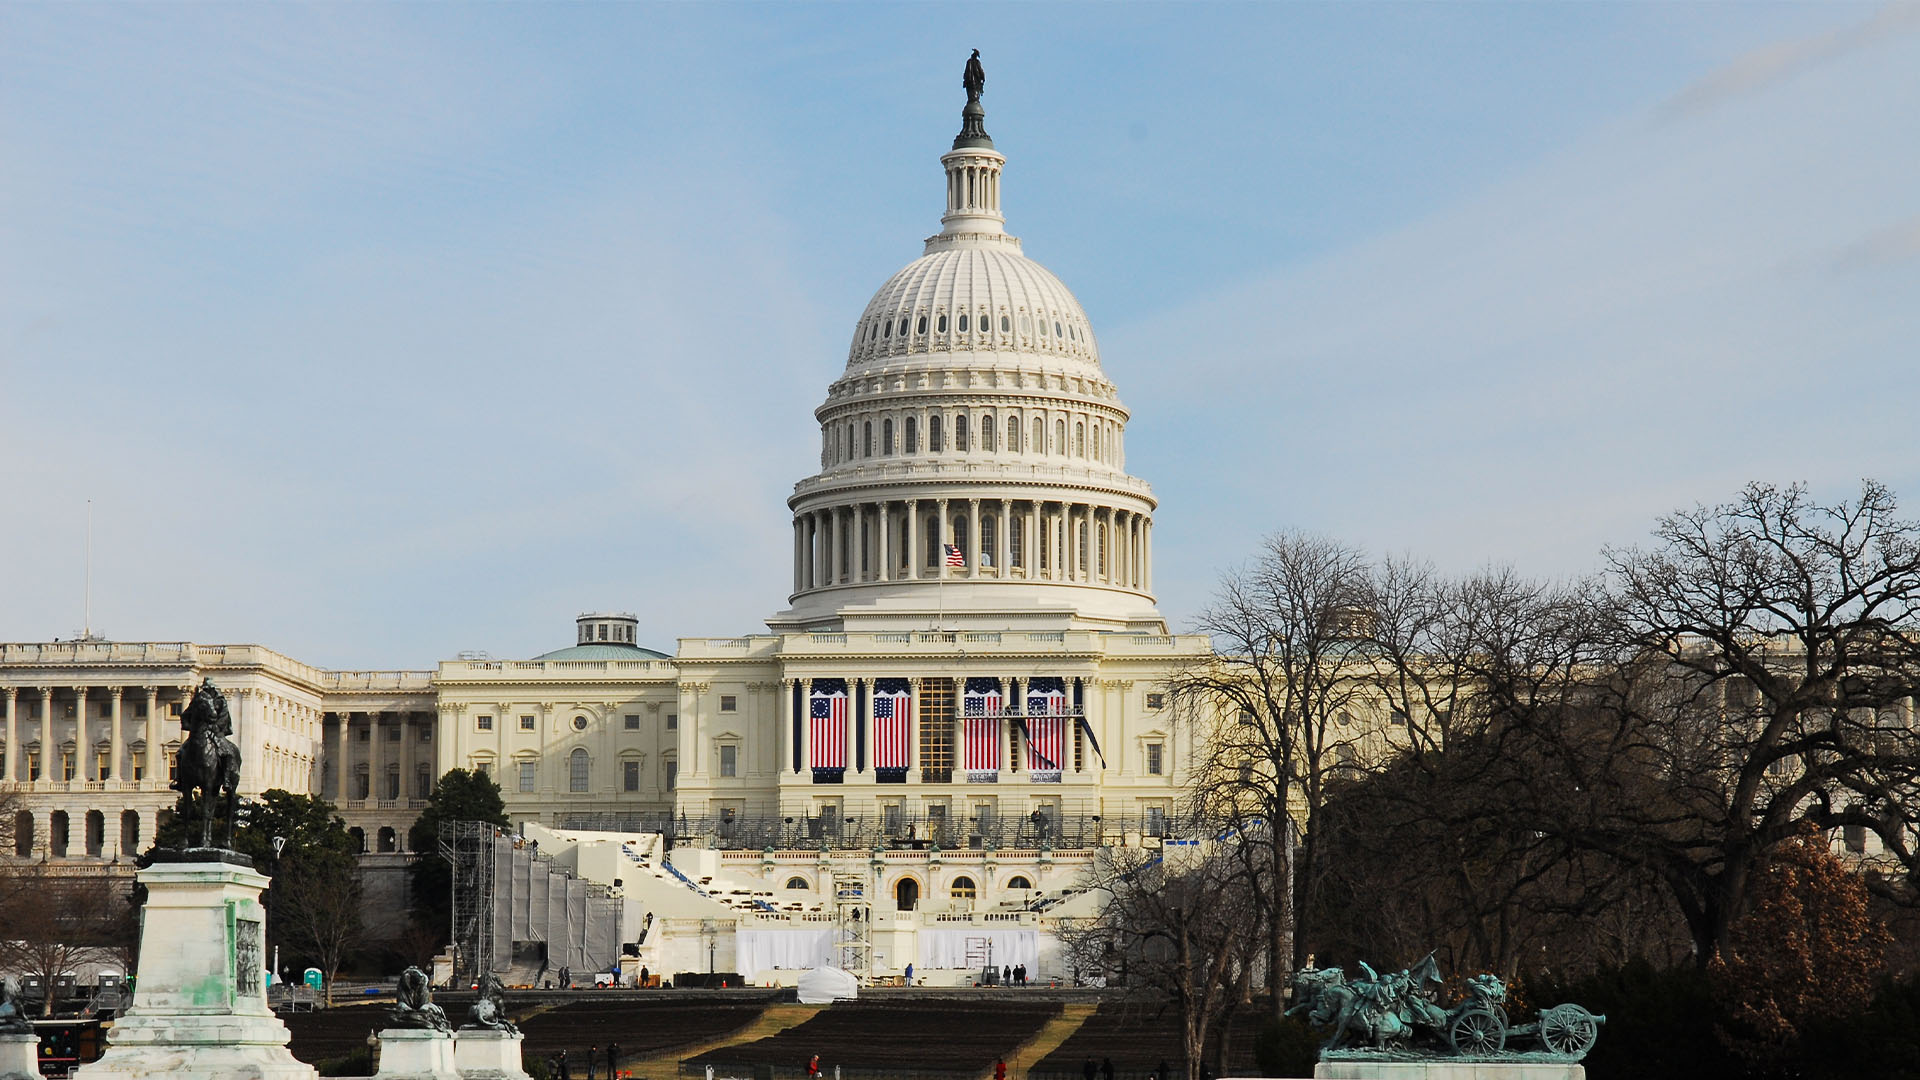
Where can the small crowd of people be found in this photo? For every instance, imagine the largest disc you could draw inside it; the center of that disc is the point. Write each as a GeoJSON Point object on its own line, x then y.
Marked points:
{"type": "Point", "coordinates": [1015, 975]}
{"type": "Point", "coordinates": [559, 1068]}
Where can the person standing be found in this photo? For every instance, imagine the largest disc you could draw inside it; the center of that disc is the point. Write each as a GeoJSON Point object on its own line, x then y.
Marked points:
{"type": "Point", "coordinates": [1106, 1068]}
{"type": "Point", "coordinates": [593, 1059]}
{"type": "Point", "coordinates": [813, 1067]}
{"type": "Point", "coordinates": [565, 1071]}
{"type": "Point", "coordinates": [613, 1061]}
{"type": "Point", "coordinates": [1089, 1069]}
{"type": "Point", "coordinates": [909, 974]}
{"type": "Point", "coordinates": [1000, 1069]}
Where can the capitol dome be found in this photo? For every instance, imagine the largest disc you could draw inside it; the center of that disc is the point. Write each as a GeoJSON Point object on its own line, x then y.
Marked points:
{"type": "Point", "coordinates": [972, 453]}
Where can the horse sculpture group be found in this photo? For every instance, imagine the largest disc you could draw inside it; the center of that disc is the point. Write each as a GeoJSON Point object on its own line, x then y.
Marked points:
{"type": "Point", "coordinates": [1398, 1010]}
{"type": "Point", "coordinates": [209, 760]}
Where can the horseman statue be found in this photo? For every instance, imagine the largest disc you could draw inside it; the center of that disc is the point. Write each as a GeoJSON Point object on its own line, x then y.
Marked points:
{"type": "Point", "coordinates": [209, 761]}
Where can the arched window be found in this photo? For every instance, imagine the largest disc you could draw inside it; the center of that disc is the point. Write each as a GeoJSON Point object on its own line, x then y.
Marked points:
{"type": "Point", "coordinates": [1039, 443]}
{"type": "Point", "coordinates": [907, 893]}
{"type": "Point", "coordinates": [942, 326]}
{"type": "Point", "coordinates": [934, 441]}
{"type": "Point", "coordinates": [577, 770]}
{"type": "Point", "coordinates": [798, 883]}
{"type": "Point", "coordinates": [960, 432]}
{"type": "Point", "coordinates": [1060, 438]}
{"type": "Point", "coordinates": [1006, 325]}
{"type": "Point", "coordinates": [359, 837]}
{"type": "Point", "coordinates": [96, 833]}
{"type": "Point", "coordinates": [1013, 435]}
{"type": "Point", "coordinates": [964, 888]}
{"type": "Point", "coordinates": [886, 437]}
{"type": "Point", "coordinates": [388, 840]}
{"type": "Point", "coordinates": [921, 327]}
{"type": "Point", "coordinates": [866, 440]}
{"type": "Point", "coordinates": [903, 326]}
{"type": "Point", "coordinates": [129, 830]}
{"type": "Point", "coordinates": [963, 324]}
{"type": "Point", "coordinates": [986, 433]}
{"type": "Point", "coordinates": [886, 329]}
{"type": "Point", "coordinates": [911, 440]}
{"type": "Point", "coordinates": [933, 542]}
{"type": "Point", "coordinates": [1080, 438]}
{"type": "Point", "coordinates": [1018, 882]}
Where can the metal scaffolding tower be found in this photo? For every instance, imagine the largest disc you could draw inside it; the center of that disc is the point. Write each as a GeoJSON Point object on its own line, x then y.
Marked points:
{"type": "Point", "coordinates": [853, 919]}
{"type": "Point", "coordinates": [470, 847]}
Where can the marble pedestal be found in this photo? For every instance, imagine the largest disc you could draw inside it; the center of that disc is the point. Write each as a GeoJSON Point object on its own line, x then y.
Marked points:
{"type": "Point", "coordinates": [416, 1054]}
{"type": "Point", "coordinates": [200, 1004]}
{"type": "Point", "coordinates": [487, 1054]}
{"type": "Point", "coordinates": [19, 1057]}
{"type": "Point", "coordinates": [1443, 1069]}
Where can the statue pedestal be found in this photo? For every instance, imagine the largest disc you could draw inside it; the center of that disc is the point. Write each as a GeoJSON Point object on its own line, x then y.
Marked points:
{"type": "Point", "coordinates": [416, 1054]}
{"type": "Point", "coordinates": [487, 1054]}
{"type": "Point", "coordinates": [19, 1057]}
{"type": "Point", "coordinates": [1442, 1069]}
{"type": "Point", "coordinates": [200, 1004]}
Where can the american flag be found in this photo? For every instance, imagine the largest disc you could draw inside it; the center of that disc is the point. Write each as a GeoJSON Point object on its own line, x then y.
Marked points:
{"type": "Point", "coordinates": [981, 710]}
{"type": "Point", "coordinates": [891, 725]}
{"type": "Point", "coordinates": [827, 730]}
{"type": "Point", "coordinates": [1047, 702]}
{"type": "Point", "coordinates": [1046, 747]}
{"type": "Point", "coordinates": [954, 556]}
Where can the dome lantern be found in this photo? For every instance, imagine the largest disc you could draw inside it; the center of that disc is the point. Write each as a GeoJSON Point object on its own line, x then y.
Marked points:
{"type": "Point", "coordinates": [973, 169]}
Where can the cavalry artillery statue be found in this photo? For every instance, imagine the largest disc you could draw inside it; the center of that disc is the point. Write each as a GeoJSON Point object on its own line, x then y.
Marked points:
{"type": "Point", "coordinates": [1397, 1013]}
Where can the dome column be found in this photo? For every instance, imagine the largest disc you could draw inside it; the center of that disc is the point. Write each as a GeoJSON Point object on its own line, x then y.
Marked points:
{"type": "Point", "coordinates": [1031, 556]}
{"type": "Point", "coordinates": [883, 548]}
{"type": "Point", "coordinates": [913, 539]}
{"type": "Point", "coordinates": [859, 547]}
{"type": "Point", "coordinates": [974, 547]}
{"type": "Point", "coordinates": [942, 530]}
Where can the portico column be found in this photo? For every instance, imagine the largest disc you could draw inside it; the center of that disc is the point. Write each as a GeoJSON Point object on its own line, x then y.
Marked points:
{"type": "Point", "coordinates": [1030, 553]}
{"type": "Point", "coordinates": [784, 763]}
{"type": "Point", "coordinates": [883, 547]}
{"type": "Point", "coordinates": [46, 733]}
{"type": "Point", "coordinates": [406, 756]}
{"type": "Point", "coordinates": [913, 730]}
{"type": "Point", "coordinates": [974, 547]}
{"type": "Point", "coordinates": [156, 735]}
{"type": "Point", "coordinates": [12, 770]}
{"type": "Point", "coordinates": [83, 767]}
{"type": "Point", "coordinates": [913, 539]}
{"type": "Point", "coordinates": [117, 738]}
{"type": "Point", "coordinates": [377, 756]}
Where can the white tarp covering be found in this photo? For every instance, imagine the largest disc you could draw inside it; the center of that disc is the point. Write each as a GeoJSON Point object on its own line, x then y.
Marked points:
{"type": "Point", "coordinates": [828, 984]}
{"type": "Point", "coordinates": [974, 947]}
{"type": "Point", "coordinates": [795, 950]}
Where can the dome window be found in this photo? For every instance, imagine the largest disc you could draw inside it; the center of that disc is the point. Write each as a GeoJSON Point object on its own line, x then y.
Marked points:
{"type": "Point", "coordinates": [942, 327]}
{"type": "Point", "coordinates": [886, 329]}
{"type": "Point", "coordinates": [903, 326]}
{"type": "Point", "coordinates": [886, 438]}
{"type": "Point", "coordinates": [1006, 325]}
{"type": "Point", "coordinates": [1057, 332]}
{"type": "Point", "coordinates": [963, 324]}
{"type": "Point", "coordinates": [922, 328]}
{"type": "Point", "coordinates": [1043, 328]}
{"type": "Point", "coordinates": [1026, 324]}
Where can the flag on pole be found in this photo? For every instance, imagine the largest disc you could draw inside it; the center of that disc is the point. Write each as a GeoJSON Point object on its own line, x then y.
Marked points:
{"type": "Point", "coordinates": [955, 557]}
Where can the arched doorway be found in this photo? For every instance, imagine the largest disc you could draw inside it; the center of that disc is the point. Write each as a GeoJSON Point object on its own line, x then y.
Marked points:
{"type": "Point", "coordinates": [906, 894]}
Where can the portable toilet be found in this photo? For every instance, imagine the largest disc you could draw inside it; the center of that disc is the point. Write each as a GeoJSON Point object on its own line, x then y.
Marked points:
{"type": "Point", "coordinates": [313, 978]}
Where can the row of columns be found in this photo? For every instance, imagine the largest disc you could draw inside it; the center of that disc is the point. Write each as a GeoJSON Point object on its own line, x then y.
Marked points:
{"type": "Point", "coordinates": [379, 764]}
{"type": "Point", "coordinates": [860, 718]}
{"type": "Point", "coordinates": [85, 768]}
{"type": "Point", "coordinates": [1078, 542]}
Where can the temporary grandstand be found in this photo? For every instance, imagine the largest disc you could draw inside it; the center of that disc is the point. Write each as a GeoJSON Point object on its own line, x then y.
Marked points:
{"type": "Point", "coordinates": [521, 916]}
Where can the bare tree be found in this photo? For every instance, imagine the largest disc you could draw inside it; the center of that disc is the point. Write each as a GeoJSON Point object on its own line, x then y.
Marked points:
{"type": "Point", "coordinates": [1185, 924]}
{"type": "Point", "coordinates": [1277, 704]}
{"type": "Point", "coordinates": [318, 897]}
{"type": "Point", "coordinates": [55, 925]}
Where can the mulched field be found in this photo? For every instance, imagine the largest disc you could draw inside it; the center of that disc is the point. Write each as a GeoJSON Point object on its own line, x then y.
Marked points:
{"type": "Point", "coordinates": [1137, 1036]}
{"type": "Point", "coordinates": [332, 1033]}
{"type": "Point", "coordinates": [901, 1039]}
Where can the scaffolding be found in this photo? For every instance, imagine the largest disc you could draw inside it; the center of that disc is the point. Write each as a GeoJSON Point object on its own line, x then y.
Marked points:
{"type": "Point", "coordinates": [853, 923]}
{"type": "Point", "coordinates": [470, 847]}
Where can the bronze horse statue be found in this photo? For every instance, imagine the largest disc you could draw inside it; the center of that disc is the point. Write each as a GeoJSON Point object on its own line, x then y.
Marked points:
{"type": "Point", "coordinates": [209, 761]}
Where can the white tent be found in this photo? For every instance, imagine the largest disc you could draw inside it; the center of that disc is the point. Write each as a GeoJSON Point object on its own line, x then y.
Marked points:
{"type": "Point", "coordinates": [824, 985]}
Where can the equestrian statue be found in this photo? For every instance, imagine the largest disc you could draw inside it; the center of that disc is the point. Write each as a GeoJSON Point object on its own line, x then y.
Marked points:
{"type": "Point", "coordinates": [209, 760]}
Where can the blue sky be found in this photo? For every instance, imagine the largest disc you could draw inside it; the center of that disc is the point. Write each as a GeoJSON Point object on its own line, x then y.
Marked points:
{"type": "Point", "coordinates": [380, 332]}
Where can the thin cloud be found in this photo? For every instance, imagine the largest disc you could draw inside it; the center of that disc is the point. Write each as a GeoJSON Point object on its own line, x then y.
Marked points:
{"type": "Point", "coordinates": [1781, 61]}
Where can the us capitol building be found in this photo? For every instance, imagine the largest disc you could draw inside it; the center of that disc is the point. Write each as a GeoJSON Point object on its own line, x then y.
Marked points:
{"type": "Point", "coordinates": [963, 697]}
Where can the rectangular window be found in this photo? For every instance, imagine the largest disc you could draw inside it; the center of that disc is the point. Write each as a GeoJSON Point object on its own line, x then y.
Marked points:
{"type": "Point", "coordinates": [673, 774]}
{"type": "Point", "coordinates": [1156, 821]}
{"type": "Point", "coordinates": [139, 769]}
{"type": "Point", "coordinates": [1155, 766]}
{"type": "Point", "coordinates": [526, 723]}
{"type": "Point", "coordinates": [103, 764]}
{"type": "Point", "coordinates": [673, 721]}
{"type": "Point", "coordinates": [727, 703]}
{"type": "Point", "coordinates": [393, 732]}
{"type": "Point", "coordinates": [33, 765]}
{"type": "Point", "coordinates": [484, 768]}
{"type": "Point", "coordinates": [364, 734]}
{"type": "Point", "coordinates": [426, 733]}
{"type": "Point", "coordinates": [528, 775]}
{"type": "Point", "coordinates": [630, 776]}
{"type": "Point", "coordinates": [729, 760]}
{"type": "Point", "coordinates": [483, 723]}
{"type": "Point", "coordinates": [139, 710]}
{"type": "Point", "coordinates": [66, 765]}
{"type": "Point", "coordinates": [1156, 701]}
{"type": "Point", "coordinates": [632, 721]}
